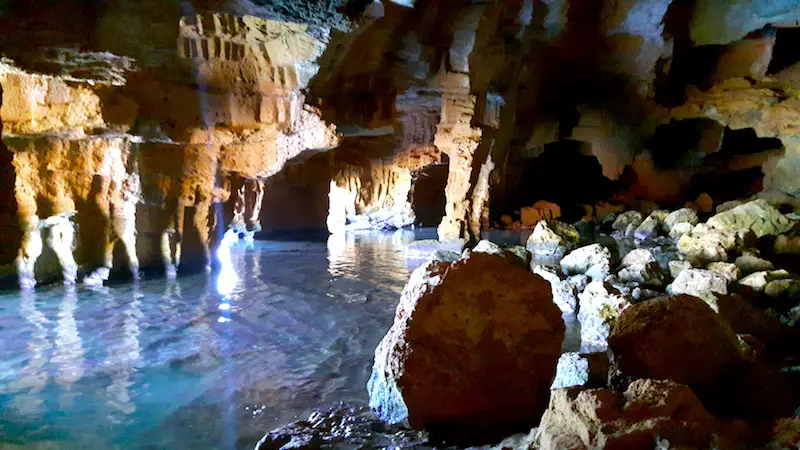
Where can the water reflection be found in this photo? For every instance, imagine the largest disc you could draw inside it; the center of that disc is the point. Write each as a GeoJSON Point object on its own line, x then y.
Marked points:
{"type": "Point", "coordinates": [150, 365]}
{"type": "Point", "coordinates": [32, 378]}
{"type": "Point", "coordinates": [124, 357]}
{"type": "Point", "coordinates": [69, 352]}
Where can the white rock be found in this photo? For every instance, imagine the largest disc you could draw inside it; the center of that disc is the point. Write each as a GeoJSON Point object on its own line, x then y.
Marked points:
{"type": "Point", "coordinates": [600, 306]}
{"type": "Point", "coordinates": [579, 261]}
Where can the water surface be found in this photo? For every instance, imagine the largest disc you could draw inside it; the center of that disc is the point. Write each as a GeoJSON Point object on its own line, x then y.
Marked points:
{"type": "Point", "coordinates": [175, 364]}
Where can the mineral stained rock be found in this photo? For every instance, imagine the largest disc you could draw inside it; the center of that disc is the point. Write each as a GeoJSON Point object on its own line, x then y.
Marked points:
{"type": "Point", "coordinates": [472, 352]}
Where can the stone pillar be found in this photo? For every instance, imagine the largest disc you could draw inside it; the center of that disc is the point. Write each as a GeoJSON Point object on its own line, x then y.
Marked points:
{"type": "Point", "coordinates": [10, 230]}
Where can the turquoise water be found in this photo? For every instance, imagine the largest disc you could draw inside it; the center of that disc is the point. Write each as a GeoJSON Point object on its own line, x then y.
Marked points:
{"type": "Point", "coordinates": [176, 364]}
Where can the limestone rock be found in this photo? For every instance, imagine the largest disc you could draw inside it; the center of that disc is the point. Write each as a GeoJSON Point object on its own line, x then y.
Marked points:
{"type": "Point", "coordinates": [581, 260]}
{"type": "Point", "coordinates": [579, 281]}
{"type": "Point", "coordinates": [599, 271]}
{"type": "Point", "coordinates": [730, 271]}
{"type": "Point", "coordinates": [676, 267]}
{"type": "Point", "coordinates": [555, 239]}
{"type": "Point", "coordinates": [749, 263]}
{"type": "Point", "coordinates": [785, 288]}
{"type": "Point", "coordinates": [679, 229]}
{"type": "Point", "coordinates": [581, 369]}
{"type": "Point", "coordinates": [757, 216]}
{"type": "Point", "coordinates": [704, 284]}
{"type": "Point", "coordinates": [627, 219]}
{"type": "Point", "coordinates": [640, 266]}
{"type": "Point", "coordinates": [727, 206]}
{"type": "Point", "coordinates": [678, 338]}
{"type": "Point", "coordinates": [787, 245]}
{"type": "Point", "coordinates": [684, 215]}
{"type": "Point", "coordinates": [758, 281]}
{"type": "Point", "coordinates": [516, 255]}
{"type": "Point", "coordinates": [472, 351]}
{"type": "Point", "coordinates": [647, 229]}
{"type": "Point", "coordinates": [704, 245]}
{"type": "Point", "coordinates": [600, 306]}
{"type": "Point", "coordinates": [541, 210]}
{"type": "Point", "coordinates": [649, 413]}
{"type": "Point", "coordinates": [565, 294]}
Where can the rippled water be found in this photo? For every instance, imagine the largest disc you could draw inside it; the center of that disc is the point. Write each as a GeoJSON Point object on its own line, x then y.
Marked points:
{"type": "Point", "coordinates": [165, 364]}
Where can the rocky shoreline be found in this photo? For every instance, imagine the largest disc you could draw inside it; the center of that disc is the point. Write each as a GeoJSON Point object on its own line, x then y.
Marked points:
{"type": "Point", "coordinates": [692, 329]}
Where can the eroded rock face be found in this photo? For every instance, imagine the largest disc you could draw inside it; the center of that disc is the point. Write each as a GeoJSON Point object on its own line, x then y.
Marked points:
{"type": "Point", "coordinates": [648, 413]}
{"type": "Point", "coordinates": [456, 325]}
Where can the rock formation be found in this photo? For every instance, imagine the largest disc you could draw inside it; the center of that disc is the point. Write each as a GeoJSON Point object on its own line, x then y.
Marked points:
{"type": "Point", "coordinates": [472, 352]}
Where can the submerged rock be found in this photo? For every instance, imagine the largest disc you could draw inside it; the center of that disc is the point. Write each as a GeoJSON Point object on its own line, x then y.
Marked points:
{"type": "Point", "coordinates": [472, 352]}
{"type": "Point", "coordinates": [342, 425]}
{"type": "Point", "coordinates": [758, 216]}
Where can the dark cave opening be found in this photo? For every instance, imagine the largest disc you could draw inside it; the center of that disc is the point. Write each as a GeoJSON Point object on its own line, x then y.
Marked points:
{"type": "Point", "coordinates": [428, 193]}
{"type": "Point", "coordinates": [682, 143]}
{"type": "Point", "coordinates": [566, 174]}
{"type": "Point", "coordinates": [787, 50]}
{"type": "Point", "coordinates": [747, 142]}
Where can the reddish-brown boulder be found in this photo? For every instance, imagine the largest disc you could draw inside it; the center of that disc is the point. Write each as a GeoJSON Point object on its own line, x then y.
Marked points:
{"type": "Point", "coordinates": [472, 351]}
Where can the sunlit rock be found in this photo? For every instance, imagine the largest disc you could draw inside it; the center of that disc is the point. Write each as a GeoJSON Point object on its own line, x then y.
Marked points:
{"type": "Point", "coordinates": [474, 310]}
{"type": "Point", "coordinates": [599, 307]}
{"type": "Point", "coordinates": [583, 259]}
{"type": "Point", "coordinates": [757, 216]}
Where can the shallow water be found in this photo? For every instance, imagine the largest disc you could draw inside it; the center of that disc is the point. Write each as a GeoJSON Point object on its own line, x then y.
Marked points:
{"type": "Point", "coordinates": [166, 364]}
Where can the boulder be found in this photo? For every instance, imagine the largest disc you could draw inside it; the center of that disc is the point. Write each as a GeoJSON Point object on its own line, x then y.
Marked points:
{"type": "Point", "coordinates": [516, 255]}
{"type": "Point", "coordinates": [472, 351]}
{"type": "Point", "coordinates": [541, 210]}
{"type": "Point", "coordinates": [579, 281]}
{"type": "Point", "coordinates": [758, 281]}
{"type": "Point", "coordinates": [684, 215]}
{"type": "Point", "coordinates": [749, 263]}
{"type": "Point", "coordinates": [704, 284]}
{"type": "Point", "coordinates": [704, 245]}
{"type": "Point", "coordinates": [787, 245]}
{"type": "Point", "coordinates": [581, 260]}
{"type": "Point", "coordinates": [565, 294]}
{"type": "Point", "coordinates": [627, 219]}
{"type": "Point", "coordinates": [647, 229]}
{"type": "Point", "coordinates": [676, 267]}
{"type": "Point", "coordinates": [679, 229]}
{"type": "Point", "coordinates": [599, 271]}
{"type": "Point", "coordinates": [730, 271]}
{"type": "Point", "coordinates": [640, 266]}
{"type": "Point", "coordinates": [727, 206]}
{"type": "Point", "coordinates": [600, 304]}
{"type": "Point", "coordinates": [581, 369]}
{"type": "Point", "coordinates": [678, 338]}
{"type": "Point", "coordinates": [650, 414]}
{"type": "Point", "coordinates": [786, 288]}
{"type": "Point", "coordinates": [555, 239]}
{"type": "Point", "coordinates": [757, 216]}
{"type": "Point", "coordinates": [704, 203]}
